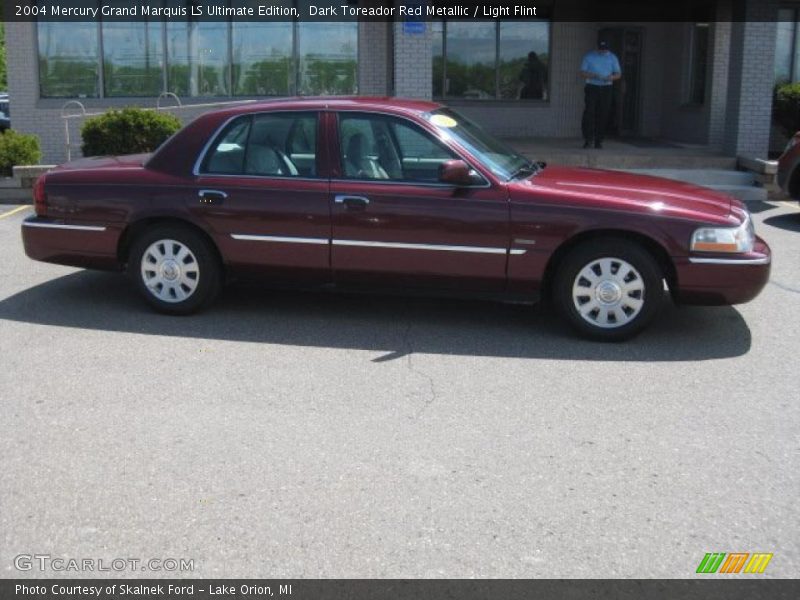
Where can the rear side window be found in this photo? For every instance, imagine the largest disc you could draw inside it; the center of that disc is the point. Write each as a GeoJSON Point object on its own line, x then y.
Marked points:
{"type": "Point", "coordinates": [268, 145]}
{"type": "Point", "coordinates": [226, 157]}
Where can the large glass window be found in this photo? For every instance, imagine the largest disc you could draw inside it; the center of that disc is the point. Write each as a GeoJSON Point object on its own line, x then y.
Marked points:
{"type": "Point", "coordinates": [68, 60]}
{"type": "Point", "coordinates": [787, 46]}
{"type": "Point", "coordinates": [491, 60]}
{"type": "Point", "coordinates": [198, 58]}
{"type": "Point", "coordinates": [327, 58]}
{"type": "Point", "coordinates": [133, 57]}
{"type": "Point", "coordinates": [262, 59]}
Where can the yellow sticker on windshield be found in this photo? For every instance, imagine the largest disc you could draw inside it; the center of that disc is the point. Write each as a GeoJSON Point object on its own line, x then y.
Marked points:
{"type": "Point", "coordinates": [443, 121]}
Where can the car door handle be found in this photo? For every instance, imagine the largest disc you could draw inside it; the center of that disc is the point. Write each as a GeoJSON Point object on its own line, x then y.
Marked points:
{"type": "Point", "coordinates": [352, 201]}
{"type": "Point", "coordinates": [211, 196]}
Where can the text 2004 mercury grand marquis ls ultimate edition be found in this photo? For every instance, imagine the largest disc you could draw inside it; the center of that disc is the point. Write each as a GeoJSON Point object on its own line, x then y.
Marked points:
{"type": "Point", "coordinates": [379, 193]}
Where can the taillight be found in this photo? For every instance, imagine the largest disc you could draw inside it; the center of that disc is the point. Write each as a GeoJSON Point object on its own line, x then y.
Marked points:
{"type": "Point", "coordinates": [40, 197]}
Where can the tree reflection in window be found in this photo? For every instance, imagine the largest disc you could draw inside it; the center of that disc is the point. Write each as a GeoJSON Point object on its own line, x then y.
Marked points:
{"type": "Point", "coordinates": [198, 58]}
{"type": "Point", "coordinates": [133, 57]}
{"type": "Point", "coordinates": [489, 60]}
{"type": "Point", "coordinates": [68, 60]}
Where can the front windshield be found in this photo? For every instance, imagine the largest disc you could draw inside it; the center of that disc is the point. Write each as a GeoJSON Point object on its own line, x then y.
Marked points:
{"type": "Point", "coordinates": [501, 160]}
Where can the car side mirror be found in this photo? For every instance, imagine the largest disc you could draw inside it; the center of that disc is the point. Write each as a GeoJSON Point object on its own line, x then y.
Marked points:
{"type": "Point", "coordinates": [457, 172]}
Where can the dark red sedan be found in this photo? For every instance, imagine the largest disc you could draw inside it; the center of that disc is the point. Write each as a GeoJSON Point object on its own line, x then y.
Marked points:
{"type": "Point", "coordinates": [392, 194]}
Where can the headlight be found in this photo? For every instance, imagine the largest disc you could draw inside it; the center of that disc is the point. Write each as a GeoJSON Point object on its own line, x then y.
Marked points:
{"type": "Point", "coordinates": [725, 239]}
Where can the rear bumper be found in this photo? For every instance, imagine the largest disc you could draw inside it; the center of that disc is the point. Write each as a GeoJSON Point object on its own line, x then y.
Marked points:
{"type": "Point", "coordinates": [723, 280]}
{"type": "Point", "coordinates": [87, 245]}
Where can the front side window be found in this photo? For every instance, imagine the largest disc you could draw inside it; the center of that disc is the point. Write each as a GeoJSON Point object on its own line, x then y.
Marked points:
{"type": "Point", "coordinates": [502, 160]}
{"type": "Point", "coordinates": [491, 60]}
{"type": "Point", "coordinates": [266, 145]}
{"type": "Point", "coordinates": [378, 147]}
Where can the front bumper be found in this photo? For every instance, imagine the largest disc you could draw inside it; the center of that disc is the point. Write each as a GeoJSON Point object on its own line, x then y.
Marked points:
{"type": "Point", "coordinates": [720, 280]}
{"type": "Point", "coordinates": [87, 245]}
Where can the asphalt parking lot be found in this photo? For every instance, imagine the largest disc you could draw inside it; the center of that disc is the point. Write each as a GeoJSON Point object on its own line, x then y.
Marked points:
{"type": "Point", "coordinates": [285, 434]}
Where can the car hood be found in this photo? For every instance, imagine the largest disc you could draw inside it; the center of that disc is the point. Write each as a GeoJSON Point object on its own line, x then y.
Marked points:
{"type": "Point", "coordinates": [623, 191]}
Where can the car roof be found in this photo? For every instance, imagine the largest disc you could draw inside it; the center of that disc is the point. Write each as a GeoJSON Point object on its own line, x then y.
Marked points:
{"type": "Point", "coordinates": [406, 105]}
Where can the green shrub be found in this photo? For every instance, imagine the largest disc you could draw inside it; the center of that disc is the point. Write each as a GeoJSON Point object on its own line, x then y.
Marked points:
{"type": "Point", "coordinates": [786, 107]}
{"type": "Point", "coordinates": [127, 131]}
{"type": "Point", "coordinates": [18, 149]}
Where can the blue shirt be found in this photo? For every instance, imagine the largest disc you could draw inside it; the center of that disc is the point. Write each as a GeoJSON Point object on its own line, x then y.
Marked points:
{"type": "Point", "coordinates": [600, 64]}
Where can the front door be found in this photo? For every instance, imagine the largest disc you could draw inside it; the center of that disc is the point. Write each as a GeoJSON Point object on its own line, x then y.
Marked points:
{"type": "Point", "coordinates": [259, 191]}
{"type": "Point", "coordinates": [394, 223]}
{"type": "Point", "coordinates": [626, 43]}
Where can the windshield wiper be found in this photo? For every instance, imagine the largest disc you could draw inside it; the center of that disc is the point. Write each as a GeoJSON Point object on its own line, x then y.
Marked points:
{"type": "Point", "coordinates": [532, 168]}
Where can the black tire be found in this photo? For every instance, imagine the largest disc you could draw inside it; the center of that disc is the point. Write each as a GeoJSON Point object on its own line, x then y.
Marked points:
{"type": "Point", "coordinates": [201, 261]}
{"type": "Point", "coordinates": [599, 325]}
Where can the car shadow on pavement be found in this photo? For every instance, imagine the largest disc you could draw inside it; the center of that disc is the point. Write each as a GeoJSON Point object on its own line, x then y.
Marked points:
{"type": "Point", "coordinates": [788, 221]}
{"type": "Point", "coordinates": [391, 325]}
{"type": "Point", "coordinates": [759, 206]}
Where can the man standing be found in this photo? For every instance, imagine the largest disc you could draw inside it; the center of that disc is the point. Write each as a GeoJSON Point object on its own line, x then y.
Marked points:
{"type": "Point", "coordinates": [600, 68]}
{"type": "Point", "coordinates": [533, 78]}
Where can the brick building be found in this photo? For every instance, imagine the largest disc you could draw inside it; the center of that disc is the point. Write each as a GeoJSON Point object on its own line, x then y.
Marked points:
{"type": "Point", "coordinates": [707, 83]}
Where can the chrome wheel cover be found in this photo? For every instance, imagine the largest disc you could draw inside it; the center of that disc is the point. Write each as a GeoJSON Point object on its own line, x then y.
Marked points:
{"type": "Point", "coordinates": [608, 292]}
{"type": "Point", "coordinates": [170, 271]}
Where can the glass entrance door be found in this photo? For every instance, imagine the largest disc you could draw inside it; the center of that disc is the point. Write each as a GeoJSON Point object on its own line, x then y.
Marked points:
{"type": "Point", "coordinates": [626, 43]}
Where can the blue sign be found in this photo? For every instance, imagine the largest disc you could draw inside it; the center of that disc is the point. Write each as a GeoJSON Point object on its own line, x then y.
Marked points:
{"type": "Point", "coordinates": [414, 27]}
{"type": "Point", "coordinates": [414, 21]}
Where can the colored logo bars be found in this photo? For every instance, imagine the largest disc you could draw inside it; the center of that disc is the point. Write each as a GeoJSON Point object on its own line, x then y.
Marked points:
{"type": "Point", "coordinates": [714, 562]}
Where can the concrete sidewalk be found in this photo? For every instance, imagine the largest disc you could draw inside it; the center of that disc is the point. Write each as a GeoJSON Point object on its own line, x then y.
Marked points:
{"type": "Point", "coordinates": [623, 153]}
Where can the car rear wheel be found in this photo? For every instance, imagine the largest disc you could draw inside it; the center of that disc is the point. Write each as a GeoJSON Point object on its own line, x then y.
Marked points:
{"type": "Point", "coordinates": [175, 269]}
{"type": "Point", "coordinates": [609, 290]}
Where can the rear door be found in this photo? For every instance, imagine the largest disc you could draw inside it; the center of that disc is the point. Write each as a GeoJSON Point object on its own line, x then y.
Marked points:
{"type": "Point", "coordinates": [258, 187]}
{"type": "Point", "coordinates": [394, 223]}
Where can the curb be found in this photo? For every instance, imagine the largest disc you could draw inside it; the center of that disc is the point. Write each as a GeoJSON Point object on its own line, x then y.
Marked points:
{"type": "Point", "coordinates": [15, 196]}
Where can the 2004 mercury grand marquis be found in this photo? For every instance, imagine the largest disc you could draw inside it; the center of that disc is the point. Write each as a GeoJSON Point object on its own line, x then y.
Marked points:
{"type": "Point", "coordinates": [364, 192]}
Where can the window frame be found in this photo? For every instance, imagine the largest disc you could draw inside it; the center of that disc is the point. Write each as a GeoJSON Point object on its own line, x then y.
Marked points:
{"type": "Point", "coordinates": [338, 163]}
{"type": "Point", "coordinates": [497, 101]}
{"type": "Point", "coordinates": [216, 137]}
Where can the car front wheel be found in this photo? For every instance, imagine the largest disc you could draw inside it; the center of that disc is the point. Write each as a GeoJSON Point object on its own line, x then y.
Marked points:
{"type": "Point", "coordinates": [175, 269]}
{"type": "Point", "coordinates": [609, 290]}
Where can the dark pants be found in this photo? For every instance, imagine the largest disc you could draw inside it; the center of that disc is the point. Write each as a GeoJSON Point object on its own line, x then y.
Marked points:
{"type": "Point", "coordinates": [597, 111]}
